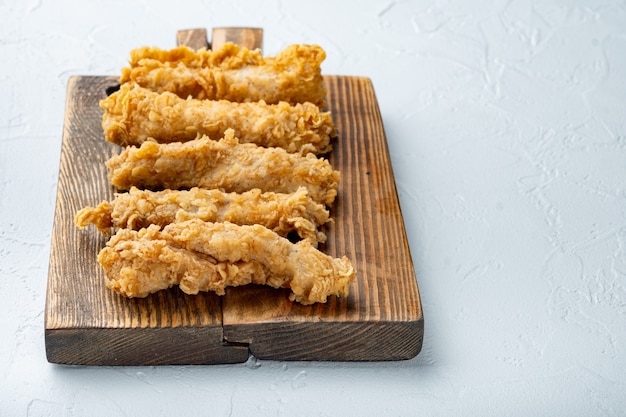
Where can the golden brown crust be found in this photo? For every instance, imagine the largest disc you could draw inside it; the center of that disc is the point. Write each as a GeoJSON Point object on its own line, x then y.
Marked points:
{"type": "Point", "coordinates": [282, 213]}
{"type": "Point", "coordinates": [187, 234]}
{"type": "Point", "coordinates": [231, 73]}
{"type": "Point", "coordinates": [133, 114]}
{"type": "Point", "coordinates": [201, 256]}
{"type": "Point", "coordinates": [224, 164]}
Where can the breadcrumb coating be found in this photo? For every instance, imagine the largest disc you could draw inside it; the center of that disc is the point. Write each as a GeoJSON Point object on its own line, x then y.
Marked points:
{"type": "Point", "coordinates": [282, 213]}
{"type": "Point", "coordinates": [225, 164]}
{"type": "Point", "coordinates": [201, 256]}
{"type": "Point", "coordinates": [231, 73]}
{"type": "Point", "coordinates": [134, 114]}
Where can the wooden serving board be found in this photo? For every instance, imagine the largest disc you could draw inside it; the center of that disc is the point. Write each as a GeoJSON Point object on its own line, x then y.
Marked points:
{"type": "Point", "coordinates": [86, 323]}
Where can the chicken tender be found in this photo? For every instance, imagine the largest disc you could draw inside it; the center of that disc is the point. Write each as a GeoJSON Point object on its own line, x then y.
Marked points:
{"type": "Point", "coordinates": [231, 73]}
{"type": "Point", "coordinates": [225, 164]}
{"type": "Point", "coordinates": [133, 114]}
{"type": "Point", "coordinates": [201, 256]}
{"type": "Point", "coordinates": [282, 213]}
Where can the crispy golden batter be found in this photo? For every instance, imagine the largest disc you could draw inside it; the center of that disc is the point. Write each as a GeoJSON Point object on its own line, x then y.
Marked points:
{"type": "Point", "coordinates": [231, 73]}
{"type": "Point", "coordinates": [133, 114]}
{"type": "Point", "coordinates": [201, 256]}
{"type": "Point", "coordinates": [282, 213]}
{"type": "Point", "coordinates": [224, 164]}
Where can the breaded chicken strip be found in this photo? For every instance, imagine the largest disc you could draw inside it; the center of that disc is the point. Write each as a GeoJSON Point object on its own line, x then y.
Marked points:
{"type": "Point", "coordinates": [201, 256]}
{"type": "Point", "coordinates": [282, 213]}
{"type": "Point", "coordinates": [133, 114]}
{"type": "Point", "coordinates": [231, 73]}
{"type": "Point", "coordinates": [224, 164]}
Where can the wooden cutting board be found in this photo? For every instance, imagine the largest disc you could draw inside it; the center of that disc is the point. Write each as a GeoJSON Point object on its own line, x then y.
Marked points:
{"type": "Point", "coordinates": [86, 323]}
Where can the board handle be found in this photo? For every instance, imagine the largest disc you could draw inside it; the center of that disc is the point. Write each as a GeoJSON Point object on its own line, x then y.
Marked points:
{"type": "Point", "coordinates": [193, 38]}
{"type": "Point", "coordinates": [250, 38]}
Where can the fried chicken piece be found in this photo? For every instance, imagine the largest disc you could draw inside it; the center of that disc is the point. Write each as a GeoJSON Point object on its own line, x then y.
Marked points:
{"type": "Point", "coordinates": [201, 256]}
{"type": "Point", "coordinates": [225, 164]}
{"type": "Point", "coordinates": [133, 114]}
{"type": "Point", "coordinates": [231, 73]}
{"type": "Point", "coordinates": [282, 213]}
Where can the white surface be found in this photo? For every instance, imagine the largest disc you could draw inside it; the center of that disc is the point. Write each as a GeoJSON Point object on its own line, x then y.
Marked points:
{"type": "Point", "coordinates": [505, 122]}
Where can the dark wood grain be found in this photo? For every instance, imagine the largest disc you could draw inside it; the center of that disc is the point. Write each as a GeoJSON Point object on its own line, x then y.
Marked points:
{"type": "Point", "coordinates": [382, 317]}
{"type": "Point", "coordinates": [85, 323]}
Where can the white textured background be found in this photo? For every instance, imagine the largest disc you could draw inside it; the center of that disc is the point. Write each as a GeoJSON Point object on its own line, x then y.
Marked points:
{"type": "Point", "coordinates": [506, 126]}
